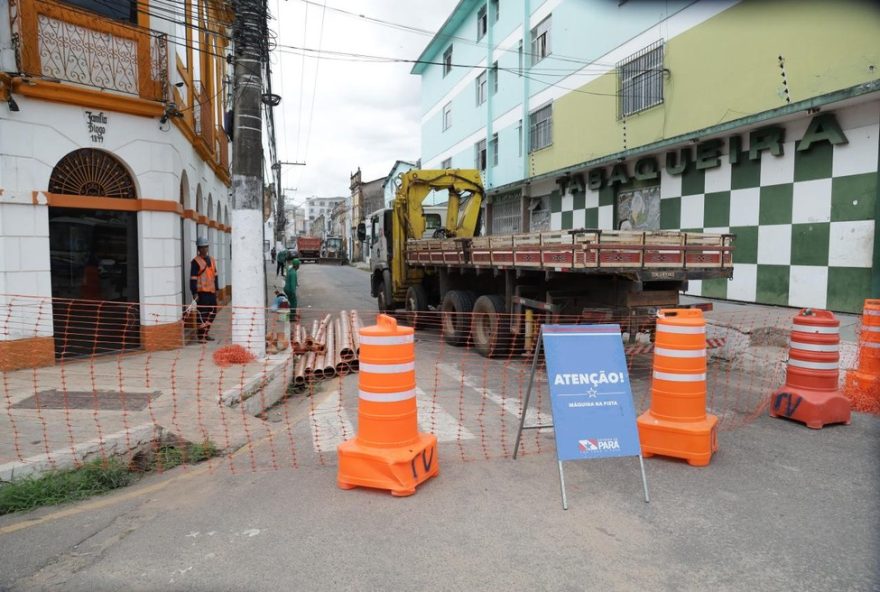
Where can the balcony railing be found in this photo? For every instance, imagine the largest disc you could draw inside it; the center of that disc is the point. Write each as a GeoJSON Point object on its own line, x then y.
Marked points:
{"type": "Point", "coordinates": [69, 45]}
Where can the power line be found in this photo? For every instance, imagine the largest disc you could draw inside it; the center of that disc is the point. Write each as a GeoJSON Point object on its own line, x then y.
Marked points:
{"type": "Point", "coordinates": [315, 86]}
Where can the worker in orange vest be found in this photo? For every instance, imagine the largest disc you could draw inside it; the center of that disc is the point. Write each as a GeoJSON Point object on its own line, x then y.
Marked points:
{"type": "Point", "coordinates": [203, 285]}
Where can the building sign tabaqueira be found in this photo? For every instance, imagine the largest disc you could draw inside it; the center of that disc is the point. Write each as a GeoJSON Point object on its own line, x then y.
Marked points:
{"type": "Point", "coordinates": [707, 155]}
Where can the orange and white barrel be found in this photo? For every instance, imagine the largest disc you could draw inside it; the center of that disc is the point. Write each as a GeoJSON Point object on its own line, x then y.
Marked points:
{"type": "Point", "coordinates": [811, 392]}
{"type": "Point", "coordinates": [678, 389]}
{"type": "Point", "coordinates": [814, 351]}
{"type": "Point", "coordinates": [677, 424]}
{"type": "Point", "coordinates": [863, 383]}
{"type": "Point", "coordinates": [388, 451]}
{"type": "Point", "coordinates": [387, 410]}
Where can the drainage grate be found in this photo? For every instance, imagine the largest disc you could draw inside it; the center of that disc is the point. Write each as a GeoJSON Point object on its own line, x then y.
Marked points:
{"type": "Point", "coordinates": [101, 400]}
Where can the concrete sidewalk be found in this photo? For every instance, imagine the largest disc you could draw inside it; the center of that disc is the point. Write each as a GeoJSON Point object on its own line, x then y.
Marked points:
{"type": "Point", "coordinates": [59, 416]}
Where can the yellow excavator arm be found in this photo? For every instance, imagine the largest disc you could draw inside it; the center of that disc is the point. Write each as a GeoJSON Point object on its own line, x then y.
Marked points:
{"type": "Point", "coordinates": [466, 195]}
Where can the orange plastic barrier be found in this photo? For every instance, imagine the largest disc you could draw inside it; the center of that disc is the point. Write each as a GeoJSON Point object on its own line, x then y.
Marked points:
{"type": "Point", "coordinates": [863, 383]}
{"type": "Point", "coordinates": [677, 424]}
{"type": "Point", "coordinates": [810, 394]}
{"type": "Point", "coordinates": [388, 452]}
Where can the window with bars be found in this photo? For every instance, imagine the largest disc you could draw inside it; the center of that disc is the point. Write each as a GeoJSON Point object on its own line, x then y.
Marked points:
{"type": "Point", "coordinates": [482, 23]}
{"type": "Point", "coordinates": [480, 155]}
{"type": "Point", "coordinates": [640, 80]}
{"type": "Point", "coordinates": [447, 61]}
{"type": "Point", "coordinates": [446, 164]}
{"type": "Point", "coordinates": [447, 116]}
{"type": "Point", "coordinates": [482, 87]}
{"type": "Point", "coordinates": [494, 149]}
{"type": "Point", "coordinates": [506, 214]}
{"type": "Point", "coordinates": [541, 41]}
{"type": "Point", "coordinates": [541, 128]}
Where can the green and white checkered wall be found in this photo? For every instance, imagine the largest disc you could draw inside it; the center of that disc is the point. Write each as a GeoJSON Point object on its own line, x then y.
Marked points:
{"type": "Point", "coordinates": [804, 221]}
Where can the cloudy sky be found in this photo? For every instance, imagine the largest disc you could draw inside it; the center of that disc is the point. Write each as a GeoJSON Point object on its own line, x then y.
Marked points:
{"type": "Point", "coordinates": [359, 113]}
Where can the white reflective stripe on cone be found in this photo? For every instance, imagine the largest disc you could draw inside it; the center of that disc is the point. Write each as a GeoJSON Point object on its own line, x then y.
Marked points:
{"type": "Point", "coordinates": [872, 313]}
{"type": "Point", "coordinates": [871, 329]}
{"type": "Point", "coordinates": [386, 339]}
{"type": "Point", "coordinates": [680, 353]}
{"type": "Point", "coordinates": [871, 344]}
{"type": "Point", "coordinates": [814, 347]}
{"type": "Point", "coordinates": [812, 329]}
{"type": "Point", "coordinates": [813, 365]}
{"type": "Point", "coordinates": [387, 397]}
{"type": "Point", "coordinates": [679, 377]}
{"type": "Point", "coordinates": [387, 368]}
{"type": "Point", "coordinates": [680, 329]}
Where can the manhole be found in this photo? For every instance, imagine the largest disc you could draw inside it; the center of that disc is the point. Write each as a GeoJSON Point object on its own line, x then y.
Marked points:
{"type": "Point", "coordinates": [101, 400]}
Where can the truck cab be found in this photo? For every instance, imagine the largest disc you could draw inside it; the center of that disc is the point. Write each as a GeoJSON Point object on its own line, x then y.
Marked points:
{"type": "Point", "coordinates": [378, 235]}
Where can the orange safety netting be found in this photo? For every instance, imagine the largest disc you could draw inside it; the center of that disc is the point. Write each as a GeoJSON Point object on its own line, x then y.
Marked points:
{"type": "Point", "coordinates": [96, 379]}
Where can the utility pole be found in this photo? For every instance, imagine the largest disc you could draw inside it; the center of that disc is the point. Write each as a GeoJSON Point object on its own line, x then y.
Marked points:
{"type": "Point", "coordinates": [248, 267]}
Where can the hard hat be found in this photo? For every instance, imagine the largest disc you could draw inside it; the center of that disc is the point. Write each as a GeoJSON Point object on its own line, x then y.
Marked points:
{"type": "Point", "coordinates": [295, 262]}
{"type": "Point", "coordinates": [202, 241]}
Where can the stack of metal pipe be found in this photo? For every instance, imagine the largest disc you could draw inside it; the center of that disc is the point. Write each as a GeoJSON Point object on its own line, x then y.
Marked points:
{"type": "Point", "coordinates": [329, 348]}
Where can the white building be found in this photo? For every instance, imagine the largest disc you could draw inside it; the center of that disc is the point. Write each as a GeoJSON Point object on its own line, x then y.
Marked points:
{"type": "Point", "coordinates": [110, 166]}
{"type": "Point", "coordinates": [321, 206]}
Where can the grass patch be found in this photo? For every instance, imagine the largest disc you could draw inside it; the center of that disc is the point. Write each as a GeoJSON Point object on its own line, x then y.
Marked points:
{"type": "Point", "coordinates": [169, 456]}
{"type": "Point", "coordinates": [93, 478]}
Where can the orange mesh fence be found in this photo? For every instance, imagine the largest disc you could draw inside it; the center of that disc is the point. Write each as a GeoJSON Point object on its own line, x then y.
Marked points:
{"type": "Point", "coordinates": [85, 380]}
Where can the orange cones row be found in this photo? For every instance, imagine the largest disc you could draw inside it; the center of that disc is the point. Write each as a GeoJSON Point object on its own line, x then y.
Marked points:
{"type": "Point", "coordinates": [388, 452]}
{"type": "Point", "coordinates": [677, 424]}
{"type": "Point", "coordinates": [863, 384]}
{"type": "Point", "coordinates": [810, 394]}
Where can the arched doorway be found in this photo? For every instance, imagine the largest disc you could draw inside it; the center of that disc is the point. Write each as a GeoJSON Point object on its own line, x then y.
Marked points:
{"type": "Point", "coordinates": [94, 257]}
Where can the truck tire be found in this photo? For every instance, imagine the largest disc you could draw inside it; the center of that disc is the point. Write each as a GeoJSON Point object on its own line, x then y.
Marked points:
{"type": "Point", "coordinates": [416, 306]}
{"type": "Point", "coordinates": [456, 322]}
{"type": "Point", "coordinates": [490, 326]}
{"type": "Point", "coordinates": [385, 299]}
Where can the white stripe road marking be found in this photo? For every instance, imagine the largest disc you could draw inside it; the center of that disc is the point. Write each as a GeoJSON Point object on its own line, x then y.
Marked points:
{"type": "Point", "coordinates": [433, 419]}
{"type": "Point", "coordinates": [330, 424]}
{"type": "Point", "coordinates": [509, 404]}
{"type": "Point", "coordinates": [811, 329]}
{"type": "Point", "coordinates": [814, 365]}
{"type": "Point", "coordinates": [386, 339]}
{"type": "Point", "coordinates": [814, 347]}
{"type": "Point", "coordinates": [387, 397]}
{"type": "Point", "coordinates": [680, 329]}
{"type": "Point", "coordinates": [680, 353]}
{"type": "Point", "coordinates": [387, 368]}
{"type": "Point", "coordinates": [679, 377]}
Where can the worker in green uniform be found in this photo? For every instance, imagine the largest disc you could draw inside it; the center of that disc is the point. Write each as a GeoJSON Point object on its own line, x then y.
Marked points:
{"type": "Point", "coordinates": [290, 287]}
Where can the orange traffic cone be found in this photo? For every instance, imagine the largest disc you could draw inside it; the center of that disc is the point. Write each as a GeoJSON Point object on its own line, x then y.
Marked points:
{"type": "Point", "coordinates": [677, 424]}
{"type": "Point", "coordinates": [810, 394]}
{"type": "Point", "coordinates": [863, 384]}
{"type": "Point", "coordinates": [388, 452]}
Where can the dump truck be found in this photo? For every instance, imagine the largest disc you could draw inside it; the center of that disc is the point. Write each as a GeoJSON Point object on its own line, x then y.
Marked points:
{"type": "Point", "coordinates": [308, 248]}
{"type": "Point", "coordinates": [494, 290]}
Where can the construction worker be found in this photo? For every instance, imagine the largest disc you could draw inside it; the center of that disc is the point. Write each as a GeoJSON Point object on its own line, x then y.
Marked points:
{"type": "Point", "coordinates": [203, 285]}
{"type": "Point", "coordinates": [281, 257]}
{"type": "Point", "coordinates": [290, 287]}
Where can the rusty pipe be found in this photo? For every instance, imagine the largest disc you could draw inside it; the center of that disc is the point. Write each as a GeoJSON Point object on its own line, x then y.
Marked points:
{"type": "Point", "coordinates": [345, 344]}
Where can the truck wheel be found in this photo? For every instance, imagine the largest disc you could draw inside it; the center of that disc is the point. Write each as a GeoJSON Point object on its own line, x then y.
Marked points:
{"type": "Point", "coordinates": [456, 323]}
{"type": "Point", "coordinates": [489, 326]}
{"type": "Point", "coordinates": [416, 305]}
{"type": "Point", "coordinates": [385, 299]}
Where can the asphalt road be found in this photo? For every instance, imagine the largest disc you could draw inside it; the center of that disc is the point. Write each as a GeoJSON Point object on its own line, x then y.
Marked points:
{"type": "Point", "coordinates": [781, 507]}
